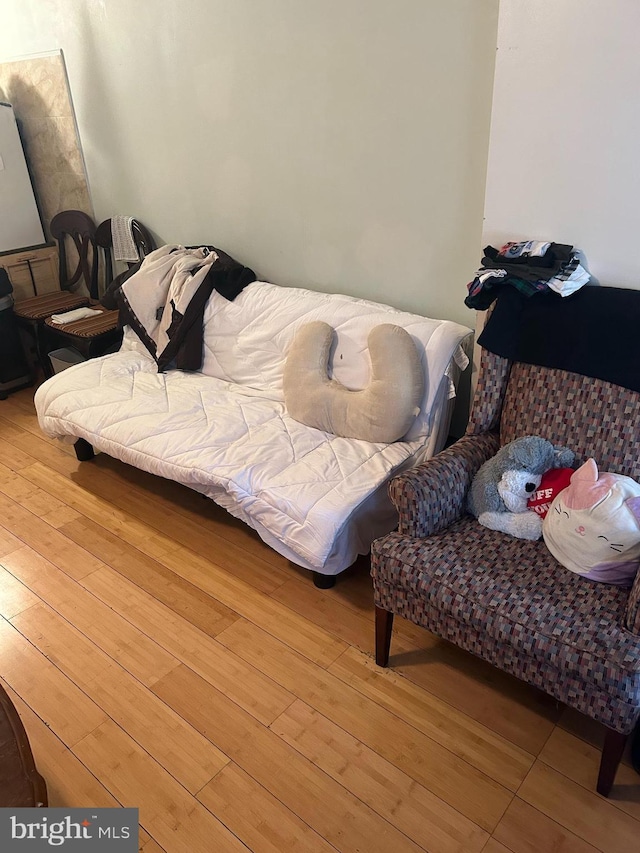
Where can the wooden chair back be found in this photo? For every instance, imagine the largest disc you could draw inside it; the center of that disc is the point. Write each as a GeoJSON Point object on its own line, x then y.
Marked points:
{"type": "Point", "coordinates": [80, 229]}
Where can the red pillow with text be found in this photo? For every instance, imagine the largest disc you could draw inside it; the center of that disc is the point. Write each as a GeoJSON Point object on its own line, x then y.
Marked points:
{"type": "Point", "coordinates": [552, 483]}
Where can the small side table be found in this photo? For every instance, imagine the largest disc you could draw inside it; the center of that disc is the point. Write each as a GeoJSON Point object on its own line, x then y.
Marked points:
{"type": "Point", "coordinates": [20, 783]}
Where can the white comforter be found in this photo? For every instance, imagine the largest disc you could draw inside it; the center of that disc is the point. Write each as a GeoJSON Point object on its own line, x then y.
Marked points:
{"type": "Point", "coordinates": [297, 486]}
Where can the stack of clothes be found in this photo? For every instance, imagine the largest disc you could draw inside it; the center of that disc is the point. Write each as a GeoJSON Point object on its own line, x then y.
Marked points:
{"type": "Point", "coordinates": [531, 266]}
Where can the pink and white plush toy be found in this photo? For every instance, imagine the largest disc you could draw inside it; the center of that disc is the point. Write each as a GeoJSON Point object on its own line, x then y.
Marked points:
{"type": "Point", "coordinates": [593, 526]}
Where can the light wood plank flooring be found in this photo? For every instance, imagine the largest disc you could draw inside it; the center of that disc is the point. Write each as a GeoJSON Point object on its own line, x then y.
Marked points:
{"type": "Point", "coordinates": [161, 656]}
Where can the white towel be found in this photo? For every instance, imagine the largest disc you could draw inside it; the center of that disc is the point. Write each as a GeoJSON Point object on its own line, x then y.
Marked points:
{"type": "Point", "coordinates": [76, 314]}
{"type": "Point", "coordinates": [124, 246]}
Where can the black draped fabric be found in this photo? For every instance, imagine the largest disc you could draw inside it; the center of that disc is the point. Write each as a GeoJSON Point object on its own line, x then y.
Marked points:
{"type": "Point", "coordinates": [184, 350]}
{"type": "Point", "coordinates": [229, 278]}
{"type": "Point", "coordinates": [594, 332]}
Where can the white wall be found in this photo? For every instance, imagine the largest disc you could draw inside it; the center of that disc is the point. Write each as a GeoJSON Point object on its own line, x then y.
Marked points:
{"type": "Point", "coordinates": [334, 144]}
{"type": "Point", "coordinates": [565, 131]}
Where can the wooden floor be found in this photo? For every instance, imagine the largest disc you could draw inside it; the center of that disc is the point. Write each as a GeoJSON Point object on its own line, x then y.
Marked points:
{"type": "Point", "coordinates": [162, 657]}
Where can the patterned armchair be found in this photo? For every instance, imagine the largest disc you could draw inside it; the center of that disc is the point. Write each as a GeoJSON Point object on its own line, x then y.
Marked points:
{"type": "Point", "coordinates": [504, 599]}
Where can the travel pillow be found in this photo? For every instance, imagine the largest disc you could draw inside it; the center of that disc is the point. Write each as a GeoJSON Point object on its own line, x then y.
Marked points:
{"type": "Point", "coordinates": [381, 412]}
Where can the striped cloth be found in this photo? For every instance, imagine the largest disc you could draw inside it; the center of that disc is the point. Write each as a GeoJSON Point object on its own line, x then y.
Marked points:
{"type": "Point", "coordinates": [124, 246]}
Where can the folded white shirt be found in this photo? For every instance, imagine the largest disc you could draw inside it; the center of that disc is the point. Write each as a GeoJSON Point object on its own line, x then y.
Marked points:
{"type": "Point", "coordinates": [565, 287]}
{"type": "Point", "coordinates": [76, 314]}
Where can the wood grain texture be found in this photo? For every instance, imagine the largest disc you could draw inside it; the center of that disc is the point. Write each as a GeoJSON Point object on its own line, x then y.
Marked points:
{"type": "Point", "coordinates": [161, 656]}
{"type": "Point", "coordinates": [494, 846]}
{"type": "Point", "coordinates": [515, 710]}
{"type": "Point", "coordinates": [580, 762]}
{"type": "Point", "coordinates": [476, 743]}
{"type": "Point", "coordinates": [465, 786]}
{"type": "Point", "coordinates": [172, 816]}
{"type": "Point", "coordinates": [14, 596]}
{"type": "Point", "coordinates": [137, 653]}
{"type": "Point", "coordinates": [48, 541]}
{"type": "Point", "coordinates": [193, 568]}
{"type": "Point", "coordinates": [261, 821]}
{"type": "Point", "coordinates": [524, 829]}
{"type": "Point", "coordinates": [227, 672]}
{"type": "Point", "coordinates": [326, 806]}
{"type": "Point", "coordinates": [69, 782]}
{"type": "Point", "coordinates": [146, 525]}
{"type": "Point", "coordinates": [409, 806]}
{"type": "Point", "coordinates": [183, 597]}
{"type": "Point", "coordinates": [580, 810]}
{"type": "Point", "coordinates": [66, 709]}
{"type": "Point", "coordinates": [166, 736]}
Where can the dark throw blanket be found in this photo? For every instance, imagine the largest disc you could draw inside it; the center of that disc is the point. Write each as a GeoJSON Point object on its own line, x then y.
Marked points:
{"type": "Point", "coordinates": [594, 332]}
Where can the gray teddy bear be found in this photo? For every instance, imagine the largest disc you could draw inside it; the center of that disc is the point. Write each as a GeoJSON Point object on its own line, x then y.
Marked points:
{"type": "Point", "coordinates": [503, 485]}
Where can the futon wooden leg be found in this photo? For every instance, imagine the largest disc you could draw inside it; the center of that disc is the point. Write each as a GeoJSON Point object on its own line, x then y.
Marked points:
{"type": "Point", "coordinates": [614, 744]}
{"type": "Point", "coordinates": [323, 581]}
{"type": "Point", "coordinates": [84, 451]}
{"type": "Point", "coordinates": [384, 626]}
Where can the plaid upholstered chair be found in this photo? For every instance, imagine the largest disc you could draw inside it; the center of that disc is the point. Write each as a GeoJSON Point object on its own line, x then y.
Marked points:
{"type": "Point", "coordinates": [507, 600]}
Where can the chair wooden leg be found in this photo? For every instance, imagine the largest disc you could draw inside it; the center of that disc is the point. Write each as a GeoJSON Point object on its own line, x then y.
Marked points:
{"type": "Point", "coordinates": [614, 744]}
{"type": "Point", "coordinates": [384, 626]}
{"type": "Point", "coordinates": [635, 748]}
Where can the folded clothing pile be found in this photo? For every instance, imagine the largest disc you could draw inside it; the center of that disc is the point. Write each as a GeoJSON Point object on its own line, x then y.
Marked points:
{"type": "Point", "coordinates": [531, 266]}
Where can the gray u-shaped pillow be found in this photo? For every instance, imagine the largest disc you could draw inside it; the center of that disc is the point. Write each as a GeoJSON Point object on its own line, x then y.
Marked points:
{"type": "Point", "coordinates": [381, 412]}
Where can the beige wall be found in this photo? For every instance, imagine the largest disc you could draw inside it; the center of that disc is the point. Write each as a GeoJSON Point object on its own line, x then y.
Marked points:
{"type": "Point", "coordinates": [333, 144]}
{"type": "Point", "coordinates": [567, 169]}
{"type": "Point", "coordinates": [38, 91]}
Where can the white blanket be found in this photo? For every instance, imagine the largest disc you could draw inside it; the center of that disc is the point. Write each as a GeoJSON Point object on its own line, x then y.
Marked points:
{"type": "Point", "coordinates": [227, 434]}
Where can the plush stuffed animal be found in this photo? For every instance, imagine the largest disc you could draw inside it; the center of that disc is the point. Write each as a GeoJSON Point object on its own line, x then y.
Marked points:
{"type": "Point", "coordinates": [593, 526]}
{"type": "Point", "coordinates": [501, 488]}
